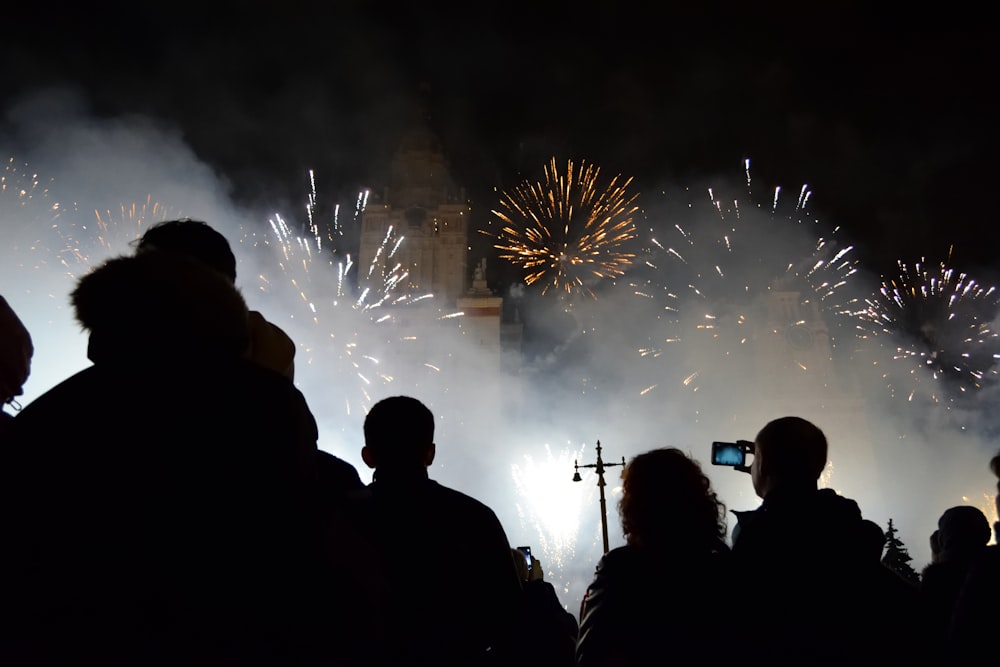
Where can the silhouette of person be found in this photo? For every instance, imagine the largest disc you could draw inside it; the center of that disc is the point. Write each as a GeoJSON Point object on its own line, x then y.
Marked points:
{"type": "Point", "coordinates": [975, 620]}
{"type": "Point", "coordinates": [269, 345]}
{"type": "Point", "coordinates": [808, 555]}
{"type": "Point", "coordinates": [16, 351]}
{"type": "Point", "coordinates": [962, 535]}
{"type": "Point", "coordinates": [897, 584]}
{"type": "Point", "coordinates": [934, 542]}
{"type": "Point", "coordinates": [669, 591]}
{"type": "Point", "coordinates": [874, 536]}
{"type": "Point", "coordinates": [548, 632]}
{"type": "Point", "coordinates": [160, 506]}
{"type": "Point", "coordinates": [454, 591]}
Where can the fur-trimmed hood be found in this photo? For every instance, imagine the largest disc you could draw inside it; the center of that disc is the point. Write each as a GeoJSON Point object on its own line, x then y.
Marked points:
{"type": "Point", "coordinates": [159, 304]}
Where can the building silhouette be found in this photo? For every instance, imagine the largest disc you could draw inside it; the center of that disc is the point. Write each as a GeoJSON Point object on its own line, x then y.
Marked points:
{"type": "Point", "coordinates": [422, 205]}
{"type": "Point", "coordinates": [416, 230]}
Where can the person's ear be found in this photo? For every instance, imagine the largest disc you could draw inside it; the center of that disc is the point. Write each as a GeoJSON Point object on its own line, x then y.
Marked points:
{"type": "Point", "coordinates": [429, 456]}
{"type": "Point", "coordinates": [368, 457]}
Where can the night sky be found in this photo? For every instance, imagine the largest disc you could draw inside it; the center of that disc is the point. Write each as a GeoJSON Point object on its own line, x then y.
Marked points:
{"type": "Point", "coordinates": [887, 115]}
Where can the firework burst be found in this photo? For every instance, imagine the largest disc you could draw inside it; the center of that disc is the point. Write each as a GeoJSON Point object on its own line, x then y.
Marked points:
{"type": "Point", "coordinates": [553, 512]}
{"type": "Point", "coordinates": [937, 325]}
{"type": "Point", "coordinates": [347, 327]}
{"type": "Point", "coordinates": [725, 274]}
{"type": "Point", "coordinates": [567, 231]}
{"type": "Point", "coordinates": [332, 329]}
{"type": "Point", "coordinates": [33, 277]}
{"type": "Point", "coordinates": [32, 269]}
{"type": "Point", "coordinates": [20, 187]}
{"type": "Point", "coordinates": [111, 233]}
{"type": "Point", "coordinates": [28, 212]}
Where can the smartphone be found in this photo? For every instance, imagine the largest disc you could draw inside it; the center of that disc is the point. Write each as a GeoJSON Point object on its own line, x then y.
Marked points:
{"type": "Point", "coordinates": [527, 555]}
{"type": "Point", "coordinates": [732, 454]}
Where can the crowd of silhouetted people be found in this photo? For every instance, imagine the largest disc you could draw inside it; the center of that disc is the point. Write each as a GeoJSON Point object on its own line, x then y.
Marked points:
{"type": "Point", "coordinates": [171, 505]}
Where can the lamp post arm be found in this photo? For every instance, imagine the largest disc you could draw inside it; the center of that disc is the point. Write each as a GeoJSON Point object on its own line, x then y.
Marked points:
{"type": "Point", "coordinates": [599, 467]}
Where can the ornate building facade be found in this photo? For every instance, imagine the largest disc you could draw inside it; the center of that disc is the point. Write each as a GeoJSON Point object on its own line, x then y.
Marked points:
{"type": "Point", "coordinates": [422, 205]}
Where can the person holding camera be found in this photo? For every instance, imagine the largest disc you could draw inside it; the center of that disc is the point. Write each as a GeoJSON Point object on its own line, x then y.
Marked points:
{"type": "Point", "coordinates": [975, 621]}
{"type": "Point", "coordinates": [962, 535]}
{"type": "Point", "coordinates": [549, 634]}
{"type": "Point", "coordinates": [659, 599]}
{"type": "Point", "coordinates": [819, 596]}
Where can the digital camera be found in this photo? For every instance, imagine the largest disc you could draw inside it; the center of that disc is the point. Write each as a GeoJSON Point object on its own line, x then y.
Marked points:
{"type": "Point", "coordinates": [732, 454]}
{"type": "Point", "coordinates": [527, 555]}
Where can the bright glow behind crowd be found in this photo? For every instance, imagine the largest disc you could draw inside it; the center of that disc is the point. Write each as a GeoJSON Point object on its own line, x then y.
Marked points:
{"type": "Point", "coordinates": [508, 439]}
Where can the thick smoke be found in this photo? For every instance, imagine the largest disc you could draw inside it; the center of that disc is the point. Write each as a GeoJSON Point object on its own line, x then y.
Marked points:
{"type": "Point", "coordinates": [592, 369]}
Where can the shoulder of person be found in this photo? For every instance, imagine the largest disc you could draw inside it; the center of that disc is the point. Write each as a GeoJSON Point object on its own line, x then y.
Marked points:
{"type": "Point", "coordinates": [620, 559]}
{"type": "Point", "coordinates": [462, 499]}
{"type": "Point", "coordinates": [268, 379]}
{"type": "Point", "coordinates": [262, 326]}
{"type": "Point", "coordinates": [341, 472]}
{"type": "Point", "coordinates": [270, 346]}
{"type": "Point", "coordinates": [834, 503]}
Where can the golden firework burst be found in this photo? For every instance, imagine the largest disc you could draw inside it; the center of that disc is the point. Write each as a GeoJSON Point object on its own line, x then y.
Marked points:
{"type": "Point", "coordinates": [567, 230]}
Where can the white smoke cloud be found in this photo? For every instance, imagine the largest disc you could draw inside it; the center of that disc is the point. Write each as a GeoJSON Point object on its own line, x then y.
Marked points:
{"type": "Point", "coordinates": [507, 438]}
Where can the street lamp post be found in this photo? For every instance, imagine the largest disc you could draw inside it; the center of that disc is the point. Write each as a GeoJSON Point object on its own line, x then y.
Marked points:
{"type": "Point", "coordinates": [598, 467]}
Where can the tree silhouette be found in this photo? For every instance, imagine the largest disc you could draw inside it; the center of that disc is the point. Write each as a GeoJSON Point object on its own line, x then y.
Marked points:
{"type": "Point", "coordinates": [897, 558]}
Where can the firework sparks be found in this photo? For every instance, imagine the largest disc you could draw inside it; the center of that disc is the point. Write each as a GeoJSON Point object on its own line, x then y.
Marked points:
{"type": "Point", "coordinates": [336, 338]}
{"type": "Point", "coordinates": [721, 276]}
{"type": "Point", "coordinates": [33, 277]}
{"type": "Point", "coordinates": [28, 209]}
{"type": "Point", "coordinates": [31, 215]}
{"type": "Point", "coordinates": [936, 323]}
{"type": "Point", "coordinates": [553, 511]}
{"type": "Point", "coordinates": [315, 281]}
{"type": "Point", "coordinates": [332, 233]}
{"type": "Point", "coordinates": [112, 233]}
{"type": "Point", "coordinates": [345, 325]}
{"type": "Point", "coordinates": [567, 231]}
{"type": "Point", "coordinates": [20, 187]}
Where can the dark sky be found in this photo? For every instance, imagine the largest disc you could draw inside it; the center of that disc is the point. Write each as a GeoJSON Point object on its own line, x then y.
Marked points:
{"type": "Point", "coordinates": [888, 115]}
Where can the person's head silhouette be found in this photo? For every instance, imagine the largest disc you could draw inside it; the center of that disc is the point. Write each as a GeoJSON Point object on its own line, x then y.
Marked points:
{"type": "Point", "coordinates": [961, 530]}
{"type": "Point", "coordinates": [269, 345]}
{"type": "Point", "coordinates": [668, 501]}
{"type": "Point", "coordinates": [789, 452]}
{"type": "Point", "coordinates": [193, 238]}
{"type": "Point", "coordinates": [399, 435]}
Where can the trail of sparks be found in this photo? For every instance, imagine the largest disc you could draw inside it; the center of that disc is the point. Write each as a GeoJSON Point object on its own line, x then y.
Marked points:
{"type": "Point", "coordinates": [343, 330]}
{"type": "Point", "coordinates": [111, 233]}
{"type": "Point", "coordinates": [552, 511]}
{"type": "Point", "coordinates": [31, 216]}
{"type": "Point", "coordinates": [566, 231]}
{"type": "Point", "coordinates": [936, 324]}
{"type": "Point", "coordinates": [722, 275]}
{"type": "Point", "coordinates": [21, 186]}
